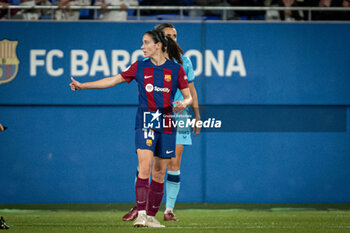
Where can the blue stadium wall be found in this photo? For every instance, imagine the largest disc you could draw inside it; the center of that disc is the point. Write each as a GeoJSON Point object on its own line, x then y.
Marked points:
{"type": "Point", "coordinates": [282, 92]}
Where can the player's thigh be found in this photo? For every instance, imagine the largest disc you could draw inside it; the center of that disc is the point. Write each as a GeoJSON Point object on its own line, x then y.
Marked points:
{"type": "Point", "coordinates": [145, 141]}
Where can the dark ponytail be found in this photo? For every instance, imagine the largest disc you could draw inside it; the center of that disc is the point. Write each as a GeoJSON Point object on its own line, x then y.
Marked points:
{"type": "Point", "coordinates": [174, 51]}
{"type": "Point", "coordinates": [168, 45]}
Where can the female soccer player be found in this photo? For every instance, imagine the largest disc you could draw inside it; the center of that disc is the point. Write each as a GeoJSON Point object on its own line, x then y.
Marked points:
{"type": "Point", "coordinates": [158, 79]}
{"type": "Point", "coordinates": [183, 137]}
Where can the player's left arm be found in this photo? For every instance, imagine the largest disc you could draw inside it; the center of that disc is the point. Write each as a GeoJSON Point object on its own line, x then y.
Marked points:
{"type": "Point", "coordinates": [185, 91]}
{"type": "Point", "coordinates": [188, 67]}
{"type": "Point", "coordinates": [195, 107]}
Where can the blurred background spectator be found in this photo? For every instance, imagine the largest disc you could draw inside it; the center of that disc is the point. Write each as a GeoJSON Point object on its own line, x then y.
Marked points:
{"type": "Point", "coordinates": [296, 15]}
{"type": "Point", "coordinates": [44, 14]}
{"type": "Point", "coordinates": [248, 15]}
{"type": "Point", "coordinates": [4, 10]}
{"type": "Point", "coordinates": [115, 15]}
{"type": "Point", "coordinates": [33, 14]}
{"type": "Point", "coordinates": [330, 15]}
{"type": "Point", "coordinates": [289, 15]}
{"type": "Point", "coordinates": [161, 3]}
{"type": "Point", "coordinates": [346, 14]}
{"type": "Point", "coordinates": [65, 13]}
{"type": "Point", "coordinates": [212, 14]}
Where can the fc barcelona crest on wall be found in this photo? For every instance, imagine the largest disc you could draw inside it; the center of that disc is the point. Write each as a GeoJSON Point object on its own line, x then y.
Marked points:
{"type": "Point", "coordinates": [8, 61]}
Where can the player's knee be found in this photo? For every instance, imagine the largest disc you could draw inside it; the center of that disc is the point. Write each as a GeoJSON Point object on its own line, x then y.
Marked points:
{"type": "Point", "coordinates": [174, 167]}
{"type": "Point", "coordinates": [144, 171]}
{"type": "Point", "coordinates": [157, 170]}
{"type": "Point", "coordinates": [158, 175]}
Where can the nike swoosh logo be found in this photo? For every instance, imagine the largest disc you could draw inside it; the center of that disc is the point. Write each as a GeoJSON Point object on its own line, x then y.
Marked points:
{"type": "Point", "coordinates": [149, 76]}
{"type": "Point", "coordinates": [155, 207]}
{"type": "Point", "coordinates": [141, 202]}
{"type": "Point", "coordinates": [169, 152]}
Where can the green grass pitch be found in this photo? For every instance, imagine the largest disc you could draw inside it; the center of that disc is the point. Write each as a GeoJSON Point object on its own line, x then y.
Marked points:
{"type": "Point", "coordinates": [202, 218]}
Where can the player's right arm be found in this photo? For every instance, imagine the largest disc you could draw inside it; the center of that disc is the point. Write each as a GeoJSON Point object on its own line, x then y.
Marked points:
{"type": "Point", "coordinates": [99, 84]}
{"type": "Point", "coordinates": [126, 76]}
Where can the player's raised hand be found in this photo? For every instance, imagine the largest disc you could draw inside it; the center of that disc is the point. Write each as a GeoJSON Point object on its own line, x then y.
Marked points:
{"type": "Point", "coordinates": [75, 85]}
{"type": "Point", "coordinates": [179, 107]}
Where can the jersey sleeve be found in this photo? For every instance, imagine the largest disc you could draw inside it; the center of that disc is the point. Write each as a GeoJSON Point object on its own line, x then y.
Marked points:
{"type": "Point", "coordinates": [188, 69]}
{"type": "Point", "coordinates": [182, 79]}
{"type": "Point", "coordinates": [130, 73]}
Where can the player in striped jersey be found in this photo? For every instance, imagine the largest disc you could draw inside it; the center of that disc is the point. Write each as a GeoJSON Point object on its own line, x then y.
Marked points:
{"type": "Point", "coordinates": [183, 137]}
{"type": "Point", "coordinates": [158, 79]}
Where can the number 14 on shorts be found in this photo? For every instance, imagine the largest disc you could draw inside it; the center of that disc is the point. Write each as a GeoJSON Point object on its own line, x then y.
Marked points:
{"type": "Point", "coordinates": [148, 133]}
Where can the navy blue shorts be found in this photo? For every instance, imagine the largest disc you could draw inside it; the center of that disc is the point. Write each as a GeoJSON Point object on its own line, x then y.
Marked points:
{"type": "Point", "coordinates": [161, 144]}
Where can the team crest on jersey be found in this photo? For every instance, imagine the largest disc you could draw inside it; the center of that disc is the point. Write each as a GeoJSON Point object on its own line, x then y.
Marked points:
{"type": "Point", "coordinates": [149, 142]}
{"type": "Point", "coordinates": [167, 77]}
{"type": "Point", "coordinates": [8, 61]}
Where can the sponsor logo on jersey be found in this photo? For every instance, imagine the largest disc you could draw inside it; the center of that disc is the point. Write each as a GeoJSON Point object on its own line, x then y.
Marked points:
{"type": "Point", "coordinates": [8, 61]}
{"type": "Point", "coordinates": [149, 87]}
{"type": "Point", "coordinates": [161, 89]}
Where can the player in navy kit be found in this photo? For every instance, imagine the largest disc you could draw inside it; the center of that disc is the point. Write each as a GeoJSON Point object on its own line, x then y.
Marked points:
{"type": "Point", "coordinates": [158, 79]}
{"type": "Point", "coordinates": [183, 137]}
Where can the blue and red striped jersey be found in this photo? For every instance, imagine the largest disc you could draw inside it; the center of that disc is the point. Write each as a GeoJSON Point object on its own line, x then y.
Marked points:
{"type": "Point", "coordinates": [157, 86]}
